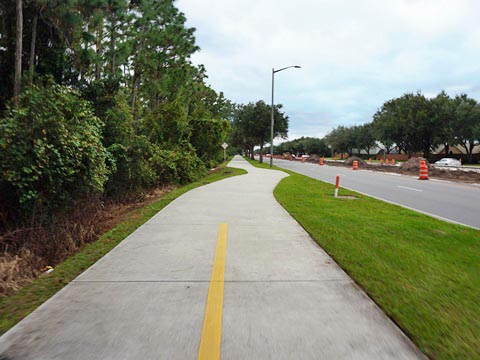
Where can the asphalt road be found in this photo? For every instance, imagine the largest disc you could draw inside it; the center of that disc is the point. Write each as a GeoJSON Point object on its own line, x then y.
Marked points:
{"type": "Point", "coordinates": [223, 271]}
{"type": "Point", "coordinates": [455, 202]}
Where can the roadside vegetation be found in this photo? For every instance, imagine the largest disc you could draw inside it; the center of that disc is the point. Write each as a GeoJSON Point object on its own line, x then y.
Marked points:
{"type": "Point", "coordinates": [421, 271]}
{"type": "Point", "coordinates": [413, 124]}
{"type": "Point", "coordinates": [99, 104]}
{"type": "Point", "coordinates": [18, 305]}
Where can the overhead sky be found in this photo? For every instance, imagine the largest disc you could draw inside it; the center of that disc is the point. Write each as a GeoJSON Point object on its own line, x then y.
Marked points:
{"type": "Point", "coordinates": [355, 54]}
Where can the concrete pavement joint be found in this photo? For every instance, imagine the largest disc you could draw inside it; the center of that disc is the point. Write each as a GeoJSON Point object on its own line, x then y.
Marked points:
{"type": "Point", "coordinates": [208, 281]}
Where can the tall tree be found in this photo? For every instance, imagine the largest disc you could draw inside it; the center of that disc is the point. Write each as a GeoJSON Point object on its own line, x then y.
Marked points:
{"type": "Point", "coordinates": [467, 123]}
{"type": "Point", "coordinates": [366, 137]}
{"type": "Point", "coordinates": [254, 120]}
{"type": "Point", "coordinates": [443, 112]}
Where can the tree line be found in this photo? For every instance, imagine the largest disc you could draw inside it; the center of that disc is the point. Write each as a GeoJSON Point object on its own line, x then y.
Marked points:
{"type": "Point", "coordinates": [413, 124]}
{"type": "Point", "coordinates": [251, 126]}
{"type": "Point", "coordinates": [304, 145]}
{"type": "Point", "coordinates": [100, 98]}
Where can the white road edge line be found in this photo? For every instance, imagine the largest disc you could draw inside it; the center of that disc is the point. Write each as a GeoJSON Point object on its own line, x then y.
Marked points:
{"type": "Point", "coordinates": [413, 209]}
{"type": "Point", "coordinates": [438, 180]}
{"type": "Point", "coordinates": [409, 188]}
{"type": "Point", "coordinates": [394, 203]}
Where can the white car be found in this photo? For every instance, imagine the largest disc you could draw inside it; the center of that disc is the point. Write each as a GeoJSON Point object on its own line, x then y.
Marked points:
{"type": "Point", "coordinates": [448, 162]}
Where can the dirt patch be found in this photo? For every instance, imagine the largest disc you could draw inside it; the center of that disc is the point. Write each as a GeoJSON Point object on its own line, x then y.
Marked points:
{"type": "Point", "coordinates": [41, 246]}
{"type": "Point", "coordinates": [351, 159]}
{"type": "Point", "coordinates": [413, 164]}
{"type": "Point", "coordinates": [115, 213]}
{"type": "Point", "coordinates": [313, 158]}
{"type": "Point", "coordinates": [412, 167]}
{"type": "Point", "coordinates": [17, 271]}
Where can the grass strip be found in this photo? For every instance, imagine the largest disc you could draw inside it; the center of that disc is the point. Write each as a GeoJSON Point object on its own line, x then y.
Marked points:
{"type": "Point", "coordinates": [17, 306]}
{"type": "Point", "coordinates": [423, 272]}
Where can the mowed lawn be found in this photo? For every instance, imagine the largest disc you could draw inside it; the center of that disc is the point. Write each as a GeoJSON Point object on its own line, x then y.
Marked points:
{"type": "Point", "coordinates": [423, 272]}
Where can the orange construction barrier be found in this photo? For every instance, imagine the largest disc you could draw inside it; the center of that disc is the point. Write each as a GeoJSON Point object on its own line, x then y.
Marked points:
{"type": "Point", "coordinates": [393, 161]}
{"type": "Point", "coordinates": [320, 162]}
{"type": "Point", "coordinates": [381, 161]}
{"type": "Point", "coordinates": [335, 158]}
{"type": "Point", "coordinates": [355, 165]}
{"type": "Point", "coordinates": [370, 160]}
{"type": "Point", "coordinates": [303, 159]}
{"type": "Point", "coordinates": [423, 174]}
{"type": "Point", "coordinates": [291, 158]}
{"type": "Point", "coordinates": [386, 161]}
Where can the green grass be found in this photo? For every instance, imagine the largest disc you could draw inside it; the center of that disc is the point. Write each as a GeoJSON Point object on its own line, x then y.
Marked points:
{"type": "Point", "coordinates": [424, 273]}
{"type": "Point", "coordinates": [17, 306]}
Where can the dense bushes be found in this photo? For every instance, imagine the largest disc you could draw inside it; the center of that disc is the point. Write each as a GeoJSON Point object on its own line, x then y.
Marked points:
{"type": "Point", "coordinates": [207, 138]}
{"type": "Point", "coordinates": [51, 152]}
{"type": "Point", "coordinates": [113, 115]}
{"type": "Point", "coordinates": [55, 152]}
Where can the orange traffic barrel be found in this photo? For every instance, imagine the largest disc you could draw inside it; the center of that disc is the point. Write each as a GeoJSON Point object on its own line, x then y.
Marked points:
{"type": "Point", "coordinates": [381, 161]}
{"type": "Point", "coordinates": [386, 161]}
{"type": "Point", "coordinates": [370, 160]}
{"type": "Point", "coordinates": [320, 162]}
{"type": "Point", "coordinates": [355, 165]}
{"type": "Point", "coordinates": [303, 159]}
{"type": "Point", "coordinates": [393, 161]}
{"type": "Point", "coordinates": [423, 174]}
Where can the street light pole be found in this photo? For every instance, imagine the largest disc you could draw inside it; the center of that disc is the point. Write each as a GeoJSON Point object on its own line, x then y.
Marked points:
{"type": "Point", "coordinates": [273, 121]}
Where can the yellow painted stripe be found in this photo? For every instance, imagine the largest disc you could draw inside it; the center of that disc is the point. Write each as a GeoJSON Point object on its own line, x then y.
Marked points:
{"type": "Point", "coordinates": [212, 323]}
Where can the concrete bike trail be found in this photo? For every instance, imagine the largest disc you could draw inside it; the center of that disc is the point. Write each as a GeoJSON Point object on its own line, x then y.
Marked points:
{"type": "Point", "coordinates": [223, 271]}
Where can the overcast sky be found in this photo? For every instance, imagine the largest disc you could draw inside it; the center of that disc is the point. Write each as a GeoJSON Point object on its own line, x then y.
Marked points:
{"type": "Point", "coordinates": [355, 54]}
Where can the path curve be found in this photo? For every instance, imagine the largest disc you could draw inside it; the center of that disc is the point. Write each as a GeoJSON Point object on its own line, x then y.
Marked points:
{"type": "Point", "coordinates": [284, 297]}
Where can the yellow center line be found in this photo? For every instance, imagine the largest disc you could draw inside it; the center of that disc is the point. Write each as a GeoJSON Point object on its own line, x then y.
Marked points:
{"type": "Point", "coordinates": [212, 323]}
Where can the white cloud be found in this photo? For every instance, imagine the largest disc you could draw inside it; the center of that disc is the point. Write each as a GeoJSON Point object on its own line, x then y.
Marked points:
{"type": "Point", "coordinates": [354, 54]}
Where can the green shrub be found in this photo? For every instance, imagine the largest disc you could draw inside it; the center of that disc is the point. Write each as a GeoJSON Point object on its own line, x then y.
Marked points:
{"type": "Point", "coordinates": [51, 152]}
{"type": "Point", "coordinates": [207, 138]}
{"type": "Point", "coordinates": [178, 166]}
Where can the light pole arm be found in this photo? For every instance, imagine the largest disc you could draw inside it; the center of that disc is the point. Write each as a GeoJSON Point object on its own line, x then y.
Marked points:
{"type": "Point", "coordinates": [285, 68]}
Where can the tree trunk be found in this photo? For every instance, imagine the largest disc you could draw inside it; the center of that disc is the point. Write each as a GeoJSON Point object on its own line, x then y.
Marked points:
{"type": "Point", "coordinates": [113, 41]}
{"type": "Point", "coordinates": [426, 152]}
{"type": "Point", "coordinates": [471, 145]}
{"type": "Point", "coordinates": [136, 86]}
{"type": "Point", "coordinates": [98, 45]}
{"type": "Point", "coordinates": [261, 153]}
{"type": "Point", "coordinates": [31, 64]}
{"type": "Point", "coordinates": [468, 149]}
{"type": "Point", "coordinates": [18, 51]}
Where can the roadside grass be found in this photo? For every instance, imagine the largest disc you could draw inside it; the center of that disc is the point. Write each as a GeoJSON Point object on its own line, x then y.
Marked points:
{"type": "Point", "coordinates": [424, 273]}
{"type": "Point", "coordinates": [15, 307]}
